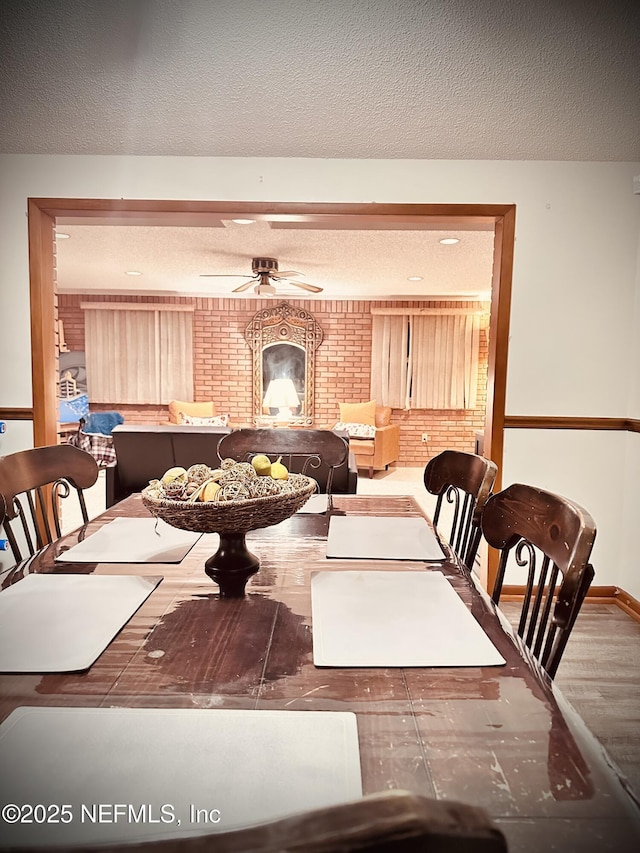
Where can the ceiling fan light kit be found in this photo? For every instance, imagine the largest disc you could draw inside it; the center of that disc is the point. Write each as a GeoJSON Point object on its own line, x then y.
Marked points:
{"type": "Point", "coordinates": [264, 287]}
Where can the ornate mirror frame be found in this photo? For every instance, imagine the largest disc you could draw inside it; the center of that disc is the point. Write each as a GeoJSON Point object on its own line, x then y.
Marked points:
{"type": "Point", "coordinates": [285, 324]}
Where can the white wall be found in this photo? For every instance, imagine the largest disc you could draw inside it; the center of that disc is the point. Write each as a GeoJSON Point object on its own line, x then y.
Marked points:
{"type": "Point", "coordinates": [588, 467]}
{"type": "Point", "coordinates": [576, 267]}
{"type": "Point", "coordinates": [629, 570]}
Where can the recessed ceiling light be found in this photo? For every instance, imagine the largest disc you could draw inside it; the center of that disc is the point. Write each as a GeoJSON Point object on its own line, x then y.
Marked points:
{"type": "Point", "coordinates": [414, 278]}
{"type": "Point", "coordinates": [449, 241]}
{"type": "Point", "coordinates": [132, 272]}
{"type": "Point", "coordinates": [243, 221]}
{"type": "Point", "coordinates": [61, 236]}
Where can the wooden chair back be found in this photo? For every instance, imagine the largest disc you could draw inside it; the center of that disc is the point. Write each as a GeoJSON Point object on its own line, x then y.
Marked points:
{"type": "Point", "coordinates": [388, 822]}
{"type": "Point", "coordinates": [32, 483]}
{"type": "Point", "coordinates": [464, 480]}
{"type": "Point", "coordinates": [551, 537]}
{"type": "Point", "coordinates": [303, 451]}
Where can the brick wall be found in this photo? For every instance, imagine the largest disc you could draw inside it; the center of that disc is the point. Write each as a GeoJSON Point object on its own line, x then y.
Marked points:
{"type": "Point", "coordinates": [223, 367]}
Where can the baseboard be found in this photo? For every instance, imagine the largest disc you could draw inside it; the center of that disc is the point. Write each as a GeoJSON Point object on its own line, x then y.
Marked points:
{"type": "Point", "coordinates": [595, 595]}
{"type": "Point", "coordinates": [628, 603]}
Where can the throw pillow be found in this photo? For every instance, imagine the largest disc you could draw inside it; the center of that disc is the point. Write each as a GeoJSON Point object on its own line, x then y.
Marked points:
{"type": "Point", "coordinates": [194, 410]}
{"type": "Point", "coordinates": [358, 413]}
{"type": "Point", "coordinates": [357, 430]}
{"type": "Point", "coordinates": [218, 420]}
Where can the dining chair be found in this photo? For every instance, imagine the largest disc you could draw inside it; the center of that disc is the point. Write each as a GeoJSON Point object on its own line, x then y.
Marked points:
{"type": "Point", "coordinates": [388, 822]}
{"type": "Point", "coordinates": [464, 480]}
{"type": "Point", "coordinates": [314, 452]}
{"type": "Point", "coordinates": [33, 482]}
{"type": "Point", "coordinates": [551, 538]}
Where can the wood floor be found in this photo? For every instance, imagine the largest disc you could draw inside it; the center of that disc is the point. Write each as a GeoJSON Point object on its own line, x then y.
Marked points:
{"type": "Point", "coordinates": [600, 676]}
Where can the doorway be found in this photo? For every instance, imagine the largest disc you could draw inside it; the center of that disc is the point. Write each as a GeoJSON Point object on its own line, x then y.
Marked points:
{"type": "Point", "coordinates": [42, 220]}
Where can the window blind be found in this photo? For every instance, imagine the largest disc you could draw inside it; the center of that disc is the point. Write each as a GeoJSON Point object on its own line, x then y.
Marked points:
{"type": "Point", "coordinates": [143, 356]}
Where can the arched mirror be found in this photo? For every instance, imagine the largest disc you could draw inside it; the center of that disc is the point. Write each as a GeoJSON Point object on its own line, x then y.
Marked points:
{"type": "Point", "coordinates": [284, 340]}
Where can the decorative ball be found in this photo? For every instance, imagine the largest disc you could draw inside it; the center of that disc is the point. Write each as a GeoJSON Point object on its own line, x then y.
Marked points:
{"type": "Point", "coordinates": [263, 487]}
{"type": "Point", "coordinates": [247, 469]}
{"type": "Point", "coordinates": [175, 490]}
{"type": "Point", "coordinates": [199, 473]}
{"type": "Point", "coordinates": [233, 492]}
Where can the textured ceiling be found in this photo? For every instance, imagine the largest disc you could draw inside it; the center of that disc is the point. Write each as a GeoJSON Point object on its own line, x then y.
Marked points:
{"type": "Point", "coordinates": [346, 264]}
{"type": "Point", "coordinates": [452, 79]}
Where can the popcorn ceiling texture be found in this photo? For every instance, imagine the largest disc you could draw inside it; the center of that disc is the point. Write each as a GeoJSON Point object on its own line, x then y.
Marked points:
{"type": "Point", "coordinates": [345, 263]}
{"type": "Point", "coordinates": [462, 79]}
{"type": "Point", "coordinates": [223, 368]}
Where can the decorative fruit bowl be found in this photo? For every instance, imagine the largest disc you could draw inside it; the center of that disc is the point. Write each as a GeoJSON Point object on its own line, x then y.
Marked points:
{"type": "Point", "coordinates": [231, 511]}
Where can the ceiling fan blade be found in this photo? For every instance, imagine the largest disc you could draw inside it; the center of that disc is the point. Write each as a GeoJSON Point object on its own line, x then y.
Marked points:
{"type": "Point", "coordinates": [285, 274]}
{"type": "Point", "coordinates": [222, 275]}
{"type": "Point", "coordinates": [244, 286]}
{"type": "Point", "coordinates": [312, 288]}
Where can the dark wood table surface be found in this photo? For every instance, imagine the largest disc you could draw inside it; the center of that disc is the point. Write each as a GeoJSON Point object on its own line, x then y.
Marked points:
{"type": "Point", "coordinates": [502, 738]}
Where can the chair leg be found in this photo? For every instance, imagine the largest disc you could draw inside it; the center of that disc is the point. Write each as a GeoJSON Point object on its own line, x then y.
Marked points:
{"type": "Point", "coordinates": [371, 472]}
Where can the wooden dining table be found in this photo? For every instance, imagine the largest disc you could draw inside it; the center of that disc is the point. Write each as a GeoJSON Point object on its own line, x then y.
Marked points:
{"type": "Point", "coordinates": [499, 737]}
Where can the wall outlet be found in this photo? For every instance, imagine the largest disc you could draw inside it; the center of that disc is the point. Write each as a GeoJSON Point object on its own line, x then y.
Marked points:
{"type": "Point", "coordinates": [425, 437]}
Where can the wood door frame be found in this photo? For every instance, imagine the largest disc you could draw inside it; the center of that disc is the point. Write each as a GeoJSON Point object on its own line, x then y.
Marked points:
{"type": "Point", "coordinates": [43, 212]}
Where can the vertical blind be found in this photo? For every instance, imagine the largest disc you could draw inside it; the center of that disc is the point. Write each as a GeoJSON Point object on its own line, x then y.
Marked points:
{"type": "Point", "coordinates": [139, 356]}
{"type": "Point", "coordinates": [425, 361]}
{"type": "Point", "coordinates": [390, 362]}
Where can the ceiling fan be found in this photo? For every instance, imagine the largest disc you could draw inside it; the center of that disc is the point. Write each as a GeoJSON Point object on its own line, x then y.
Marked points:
{"type": "Point", "coordinates": [265, 276]}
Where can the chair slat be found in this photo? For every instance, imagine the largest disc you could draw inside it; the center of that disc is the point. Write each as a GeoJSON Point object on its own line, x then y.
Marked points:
{"type": "Point", "coordinates": [43, 528]}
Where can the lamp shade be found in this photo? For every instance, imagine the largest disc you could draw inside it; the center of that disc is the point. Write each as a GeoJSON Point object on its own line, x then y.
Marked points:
{"type": "Point", "coordinates": [281, 394]}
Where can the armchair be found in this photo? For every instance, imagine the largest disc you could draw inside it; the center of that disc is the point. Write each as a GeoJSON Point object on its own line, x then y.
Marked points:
{"type": "Point", "coordinates": [377, 453]}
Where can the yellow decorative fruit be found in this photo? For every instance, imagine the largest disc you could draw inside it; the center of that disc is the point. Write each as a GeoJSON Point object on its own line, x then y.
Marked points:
{"type": "Point", "coordinates": [262, 465]}
{"type": "Point", "coordinates": [174, 474]}
{"type": "Point", "coordinates": [209, 491]}
{"type": "Point", "coordinates": [278, 470]}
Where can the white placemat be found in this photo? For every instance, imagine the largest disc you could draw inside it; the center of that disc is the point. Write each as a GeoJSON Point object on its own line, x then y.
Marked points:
{"type": "Point", "coordinates": [368, 537]}
{"type": "Point", "coordinates": [317, 504]}
{"type": "Point", "coordinates": [238, 767]}
{"type": "Point", "coordinates": [133, 540]}
{"type": "Point", "coordinates": [394, 619]}
{"type": "Point", "coordinates": [62, 623]}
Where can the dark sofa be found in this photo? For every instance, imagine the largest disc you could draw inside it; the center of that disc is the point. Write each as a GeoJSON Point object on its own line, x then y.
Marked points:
{"type": "Point", "coordinates": [144, 453]}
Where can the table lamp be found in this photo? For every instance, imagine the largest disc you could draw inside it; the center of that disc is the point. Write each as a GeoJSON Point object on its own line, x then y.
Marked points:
{"type": "Point", "coordinates": [281, 395]}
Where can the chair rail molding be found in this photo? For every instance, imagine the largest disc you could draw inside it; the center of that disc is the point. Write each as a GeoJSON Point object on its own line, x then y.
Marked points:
{"type": "Point", "coordinates": [578, 423]}
{"type": "Point", "coordinates": [16, 414]}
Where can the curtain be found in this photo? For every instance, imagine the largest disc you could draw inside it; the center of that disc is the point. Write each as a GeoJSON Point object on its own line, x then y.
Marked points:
{"type": "Point", "coordinates": [390, 361]}
{"type": "Point", "coordinates": [445, 361]}
{"type": "Point", "coordinates": [425, 361]}
{"type": "Point", "coordinates": [139, 356]}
